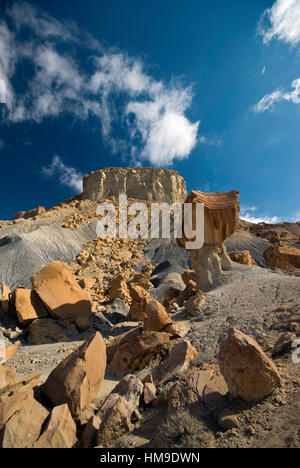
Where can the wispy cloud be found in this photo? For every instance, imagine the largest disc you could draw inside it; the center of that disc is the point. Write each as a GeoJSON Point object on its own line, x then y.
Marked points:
{"type": "Point", "coordinates": [66, 175]}
{"type": "Point", "coordinates": [150, 114]}
{"type": "Point", "coordinates": [279, 95]}
{"type": "Point", "coordinates": [281, 22]}
{"type": "Point", "coordinates": [249, 214]}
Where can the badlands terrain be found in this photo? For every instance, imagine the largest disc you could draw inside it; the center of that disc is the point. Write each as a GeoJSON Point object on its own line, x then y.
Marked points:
{"type": "Point", "coordinates": [141, 343]}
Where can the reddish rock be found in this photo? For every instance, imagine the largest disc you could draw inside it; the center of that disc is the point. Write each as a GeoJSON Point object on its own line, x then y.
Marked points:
{"type": "Point", "coordinates": [133, 350]}
{"type": "Point", "coordinates": [60, 430]}
{"type": "Point", "coordinates": [21, 420]}
{"type": "Point", "coordinates": [283, 257]}
{"type": "Point", "coordinates": [60, 293]}
{"type": "Point", "coordinates": [139, 300]}
{"type": "Point", "coordinates": [28, 306]}
{"type": "Point", "coordinates": [78, 379]}
{"type": "Point", "coordinates": [248, 372]}
{"type": "Point", "coordinates": [5, 297]}
{"type": "Point", "coordinates": [157, 317]}
{"type": "Point", "coordinates": [243, 257]}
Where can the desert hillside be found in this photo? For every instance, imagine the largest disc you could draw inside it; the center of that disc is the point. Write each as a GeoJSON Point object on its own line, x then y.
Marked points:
{"type": "Point", "coordinates": [141, 342]}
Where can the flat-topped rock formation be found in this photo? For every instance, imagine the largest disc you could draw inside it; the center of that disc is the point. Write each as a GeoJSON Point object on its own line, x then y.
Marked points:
{"type": "Point", "coordinates": [142, 183]}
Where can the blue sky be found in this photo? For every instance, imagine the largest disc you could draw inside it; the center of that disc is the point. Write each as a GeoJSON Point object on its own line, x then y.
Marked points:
{"type": "Point", "coordinates": [211, 89]}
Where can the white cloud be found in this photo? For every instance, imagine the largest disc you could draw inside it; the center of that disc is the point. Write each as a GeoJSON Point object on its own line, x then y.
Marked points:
{"type": "Point", "coordinates": [67, 175]}
{"type": "Point", "coordinates": [281, 22]}
{"type": "Point", "coordinates": [264, 70]}
{"type": "Point", "coordinates": [268, 101]}
{"type": "Point", "coordinates": [247, 214]}
{"type": "Point", "coordinates": [150, 115]}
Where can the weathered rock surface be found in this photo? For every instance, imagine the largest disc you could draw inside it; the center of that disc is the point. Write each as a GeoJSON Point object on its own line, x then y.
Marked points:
{"type": "Point", "coordinates": [142, 183]}
{"type": "Point", "coordinates": [21, 420]}
{"type": "Point", "coordinates": [157, 317]}
{"type": "Point", "coordinates": [283, 344]}
{"type": "Point", "coordinates": [47, 330]}
{"type": "Point", "coordinates": [178, 360]}
{"type": "Point", "coordinates": [5, 297]}
{"type": "Point", "coordinates": [60, 430]}
{"type": "Point", "coordinates": [28, 306]}
{"type": "Point", "coordinates": [134, 349]}
{"type": "Point", "coordinates": [249, 373]}
{"type": "Point", "coordinates": [221, 211]}
{"type": "Point", "coordinates": [243, 257]}
{"type": "Point", "coordinates": [60, 293]}
{"type": "Point", "coordinates": [119, 290]}
{"type": "Point", "coordinates": [139, 300]}
{"type": "Point", "coordinates": [77, 380]}
{"type": "Point", "coordinates": [115, 423]}
{"type": "Point", "coordinates": [283, 258]}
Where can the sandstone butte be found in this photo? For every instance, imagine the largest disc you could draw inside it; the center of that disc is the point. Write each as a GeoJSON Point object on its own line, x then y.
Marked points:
{"type": "Point", "coordinates": [61, 294]}
{"type": "Point", "coordinates": [78, 378]}
{"type": "Point", "coordinates": [249, 373]}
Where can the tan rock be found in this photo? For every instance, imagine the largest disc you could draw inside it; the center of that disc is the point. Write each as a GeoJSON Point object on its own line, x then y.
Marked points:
{"type": "Point", "coordinates": [5, 297]}
{"type": "Point", "coordinates": [139, 300]}
{"type": "Point", "coordinates": [130, 388]}
{"type": "Point", "coordinates": [59, 291]}
{"type": "Point", "coordinates": [149, 392]}
{"type": "Point", "coordinates": [283, 257]}
{"type": "Point", "coordinates": [87, 283]}
{"type": "Point", "coordinates": [47, 330]}
{"type": "Point", "coordinates": [142, 183]}
{"type": "Point", "coordinates": [28, 306]}
{"type": "Point", "coordinates": [141, 279]}
{"type": "Point", "coordinates": [178, 329]}
{"type": "Point", "coordinates": [21, 420]}
{"type": "Point", "coordinates": [78, 379]}
{"type": "Point", "coordinates": [133, 350]}
{"type": "Point", "coordinates": [10, 350]}
{"type": "Point", "coordinates": [118, 289]}
{"type": "Point", "coordinates": [283, 344]}
{"type": "Point", "coordinates": [13, 386]}
{"type": "Point", "coordinates": [157, 317]}
{"type": "Point", "coordinates": [60, 430]}
{"type": "Point", "coordinates": [115, 424]}
{"type": "Point", "coordinates": [194, 304]}
{"type": "Point", "coordinates": [243, 257]}
{"type": "Point", "coordinates": [187, 276]}
{"type": "Point", "coordinates": [178, 360]}
{"type": "Point", "coordinates": [221, 214]}
{"type": "Point", "coordinates": [248, 372]}
{"type": "Point", "coordinates": [228, 421]}
{"type": "Point", "coordinates": [187, 392]}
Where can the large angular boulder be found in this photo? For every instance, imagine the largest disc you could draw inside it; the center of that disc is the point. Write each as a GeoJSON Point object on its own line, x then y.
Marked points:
{"type": "Point", "coordinates": [243, 257]}
{"type": "Point", "coordinates": [60, 430]}
{"type": "Point", "coordinates": [139, 300]}
{"type": "Point", "coordinates": [157, 317]}
{"type": "Point", "coordinates": [47, 330]}
{"type": "Point", "coordinates": [249, 373]}
{"type": "Point", "coordinates": [178, 360]}
{"type": "Point", "coordinates": [119, 290]}
{"type": "Point", "coordinates": [134, 349]}
{"type": "Point", "coordinates": [28, 306]}
{"type": "Point", "coordinates": [77, 380]}
{"type": "Point", "coordinates": [59, 291]}
{"type": "Point", "coordinates": [21, 420]}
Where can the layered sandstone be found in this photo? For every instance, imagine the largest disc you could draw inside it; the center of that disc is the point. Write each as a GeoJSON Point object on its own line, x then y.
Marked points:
{"type": "Point", "coordinates": [221, 214]}
{"type": "Point", "coordinates": [142, 183]}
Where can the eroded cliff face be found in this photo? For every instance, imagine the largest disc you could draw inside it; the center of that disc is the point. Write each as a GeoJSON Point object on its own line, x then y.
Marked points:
{"type": "Point", "coordinates": [143, 183]}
